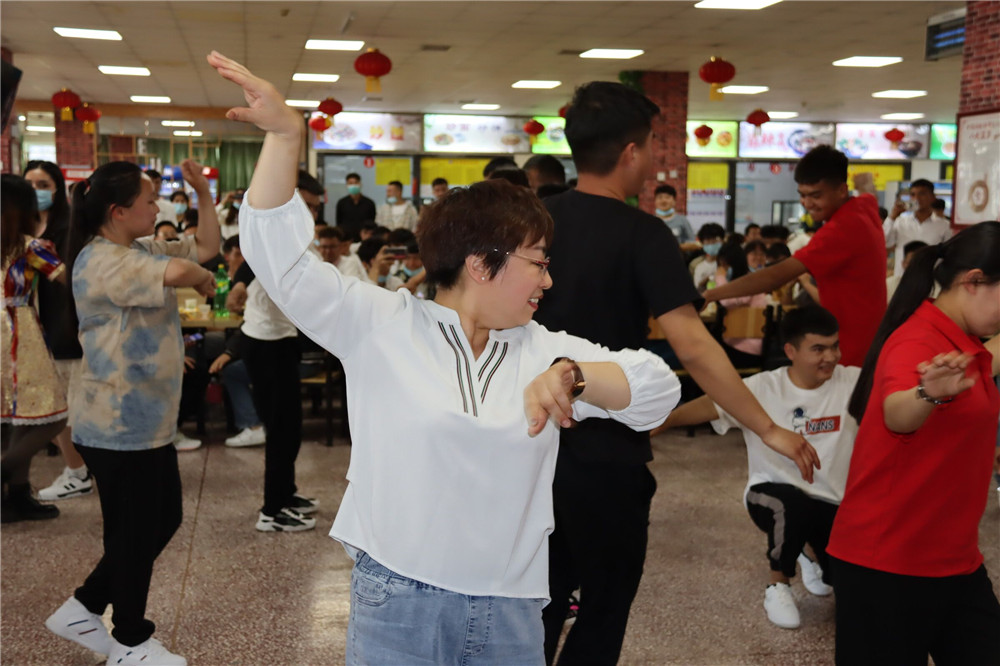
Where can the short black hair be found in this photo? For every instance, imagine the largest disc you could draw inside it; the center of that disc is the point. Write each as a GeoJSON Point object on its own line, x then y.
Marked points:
{"type": "Point", "coordinates": [924, 183]}
{"type": "Point", "coordinates": [939, 204]}
{"type": "Point", "coordinates": [776, 231]}
{"type": "Point", "coordinates": [331, 232]}
{"type": "Point", "coordinates": [549, 168]}
{"type": "Point", "coordinates": [439, 181]}
{"type": "Point", "coordinates": [163, 223]}
{"type": "Point", "coordinates": [190, 218]}
{"type": "Point", "coordinates": [666, 189]}
{"type": "Point", "coordinates": [153, 174]}
{"type": "Point", "coordinates": [752, 225]}
{"type": "Point", "coordinates": [496, 163]}
{"type": "Point", "coordinates": [603, 118]}
{"type": "Point", "coordinates": [756, 246]}
{"type": "Point", "coordinates": [180, 193]}
{"type": "Point", "coordinates": [321, 223]}
{"type": "Point", "coordinates": [822, 164]}
{"type": "Point", "coordinates": [514, 174]}
{"type": "Point", "coordinates": [777, 252]}
{"type": "Point", "coordinates": [352, 175]}
{"type": "Point", "coordinates": [309, 183]}
{"type": "Point", "coordinates": [710, 230]}
{"type": "Point", "coordinates": [231, 243]}
{"type": "Point", "coordinates": [369, 248]}
{"type": "Point", "coordinates": [396, 183]}
{"type": "Point", "coordinates": [913, 246]}
{"type": "Point", "coordinates": [400, 236]}
{"type": "Point", "coordinates": [797, 323]}
{"type": "Point", "coordinates": [369, 225]}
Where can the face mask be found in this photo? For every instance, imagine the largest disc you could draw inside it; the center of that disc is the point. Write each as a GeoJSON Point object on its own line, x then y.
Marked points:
{"type": "Point", "coordinates": [729, 273]}
{"type": "Point", "coordinates": [665, 213]}
{"type": "Point", "coordinates": [354, 189]}
{"type": "Point", "coordinates": [712, 248]}
{"type": "Point", "coordinates": [180, 207]}
{"type": "Point", "coordinates": [411, 272]}
{"type": "Point", "coordinates": [44, 199]}
{"type": "Point", "coordinates": [754, 270]}
{"type": "Point", "coordinates": [316, 242]}
{"type": "Point", "coordinates": [391, 200]}
{"type": "Point", "coordinates": [236, 205]}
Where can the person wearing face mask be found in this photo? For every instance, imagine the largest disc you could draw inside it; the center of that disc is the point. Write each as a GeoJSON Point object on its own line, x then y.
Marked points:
{"type": "Point", "coordinates": [355, 209]}
{"type": "Point", "coordinates": [665, 198]}
{"type": "Point", "coordinates": [167, 212]}
{"type": "Point", "coordinates": [228, 212]}
{"type": "Point", "coordinates": [732, 264]}
{"type": "Point", "coordinates": [57, 314]}
{"type": "Point", "coordinates": [180, 202]}
{"type": "Point", "coordinates": [396, 212]}
{"type": "Point", "coordinates": [710, 236]}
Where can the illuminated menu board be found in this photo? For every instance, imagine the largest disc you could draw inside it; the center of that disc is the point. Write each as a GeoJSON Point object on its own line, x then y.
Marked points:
{"type": "Point", "coordinates": [370, 131]}
{"type": "Point", "coordinates": [943, 142]}
{"type": "Point", "coordinates": [866, 141]}
{"type": "Point", "coordinates": [722, 143]}
{"type": "Point", "coordinates": [475, 134]}
{"type": "Point", "coordinates": [553, 140]}
{"type": "Point", "coordinates": [783, 140]}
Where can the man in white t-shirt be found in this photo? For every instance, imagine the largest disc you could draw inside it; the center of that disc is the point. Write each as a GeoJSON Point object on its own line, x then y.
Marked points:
{"type": "Point", "coordinates": [811, 398]}
{"type": "Point", "coordinates": [903, 226]}
{"type": "Point", "coordinates": [396, 212]}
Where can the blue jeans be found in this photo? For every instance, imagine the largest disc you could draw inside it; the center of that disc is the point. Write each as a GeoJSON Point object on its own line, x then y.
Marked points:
{"type": "Point", "coordinates": [237, 382]}
{"type": "Point", "coordinates": [397, 620]}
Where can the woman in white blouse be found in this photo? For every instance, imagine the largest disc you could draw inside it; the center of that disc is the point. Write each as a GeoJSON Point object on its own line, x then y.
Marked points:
{"type": "Point", "coordinates": [455, 406]}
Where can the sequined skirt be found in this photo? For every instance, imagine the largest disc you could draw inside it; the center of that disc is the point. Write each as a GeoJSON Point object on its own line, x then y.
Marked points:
{"type": "Point", "coordinates": [31, 392]}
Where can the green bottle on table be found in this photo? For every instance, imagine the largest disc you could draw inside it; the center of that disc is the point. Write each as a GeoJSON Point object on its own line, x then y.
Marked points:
{"type": "Point", "coordinates": [221, 291]}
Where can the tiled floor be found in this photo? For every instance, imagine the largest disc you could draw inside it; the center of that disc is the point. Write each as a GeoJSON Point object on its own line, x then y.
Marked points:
{"type": "Point", "coordinates": [225, 594]}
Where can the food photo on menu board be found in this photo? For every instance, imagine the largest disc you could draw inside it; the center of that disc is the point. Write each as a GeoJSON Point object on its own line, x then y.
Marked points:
{"type": "Point", "coordinates": [867, 141]}
{"type": "Point", "coordinates": [943, 141]}
{"type": "Point", "coordinates": [720, 143]}
{"type": "Point", "coordinates": [370, 131]}
{"type": "Point", "coordinates": [977, 168]}
{"type": "Point", "coordinates": [788, 140]}
{"type": "Point", "coordinates": [475, 134]}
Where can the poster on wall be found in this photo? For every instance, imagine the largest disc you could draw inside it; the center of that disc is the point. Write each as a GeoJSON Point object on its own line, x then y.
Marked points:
{"type": "Point", "coordinates": [943, 141]}
{"type": "Point", "coordinates": [721, 143]}
{"type": "Point", "coordinates": [977, 168]}
{"type": "Point", "coordinates": [866, 141]}
{"type": "Point", "coordinates": [707, 193]}
{"type": "Point", "coordinates": [783, 140]}
{"type": "Point", "coordinates": [474, 134]}
{"type": "Point", "coordinates": [553, 140]}
{"type": "Point", "coordinates": [370, 131]}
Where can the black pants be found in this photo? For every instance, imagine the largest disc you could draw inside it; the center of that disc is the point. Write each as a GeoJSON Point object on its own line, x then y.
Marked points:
{"type": "Point", "coordinates": [140, 495]}
{"type": "Point", "coordinates": [599, 545]}
{"type": "Point", "coordinates": [889, 619]}
{"type": "Point", "coordinates": [791, 519]}
{"type": "Point", "coordinates": [274, 372]}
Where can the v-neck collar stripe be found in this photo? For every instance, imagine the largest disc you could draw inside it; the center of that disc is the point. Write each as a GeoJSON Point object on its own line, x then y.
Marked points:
{"type": "Point", "coordinates": [458, 367]}
{"type": "Point", "coordinates": [489, 377]}
{"type": "Point", "coordinates": [468, 369]}
{"type": "Point", "coordinates": [488, 359]}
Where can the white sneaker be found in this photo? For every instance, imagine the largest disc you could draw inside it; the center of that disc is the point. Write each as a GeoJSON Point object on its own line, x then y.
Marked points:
{"type": "Point", "coordinates": [74, 622]}
{"type": "Point", "coordinates": [248, 437]}
{"type": "Point", "coordinates": [780, 606]}
{"type": "Point", "coordinates": [812, 576]}
{"type": "Point", "coordinates": [149, 653]}
{"type": "Point", "coordinates": [66, 486]}
{"type": "Point", "coordinates": [287, 520]}
{"type": "Point", "coordinates": [184, 443]}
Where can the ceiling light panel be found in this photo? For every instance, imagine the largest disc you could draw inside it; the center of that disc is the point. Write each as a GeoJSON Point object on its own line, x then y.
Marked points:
{"type": "Point", "coordinates": [867, 61]}
{"type": "Point", "coordinates": [83, 33]}
{"type": "Point", "coordinates": [744, 90]}
{"type": "Point", "coordinates": [537, 85]}
{"type": "Point", "coordinates": [480, 107]}
{"type": "Point", "coordinates": [149, 99]}
{"type": "Point", "coordinates": [902, 116]}
{"type": "Point", "coordinates": [177, 123]}
{"type": "Point", "coordinates": [612, 54]}
{"type": "Point", "coordinates": [40, 128]}
{"type": "Point", "coordinates": [333, 45]}
{"type": "Point", "coordinates": [187, 132]}
{"type": "Point", "coordinates": [782, 115]}
{"type": "Point", "coordinates": [114, 70]}
{"type": "Point", "coordinates": [318, 78]}
{"type": "Point", "coordinates": [900, 94]}
{"type": "Point", "coordinates": [303, 103]}
{"type": "Point", "coordinates": [735, 4]}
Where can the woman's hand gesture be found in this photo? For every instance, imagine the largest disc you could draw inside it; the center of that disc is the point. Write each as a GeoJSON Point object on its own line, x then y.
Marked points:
{"type": "Point", "coordinates": [944, 376]}
{"type": "Point", "coordinates": [548, 397]}
{"type": "Point", "coordinates": [194, 175]}
{"type": "Point", "coordinates": [266, 107]}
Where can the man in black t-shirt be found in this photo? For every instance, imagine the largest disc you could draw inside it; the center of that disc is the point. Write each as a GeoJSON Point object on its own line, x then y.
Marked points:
{"type": "Point", "coordinates": [355, 209]}
{"type": "Point", "coordinates": [612, 266]}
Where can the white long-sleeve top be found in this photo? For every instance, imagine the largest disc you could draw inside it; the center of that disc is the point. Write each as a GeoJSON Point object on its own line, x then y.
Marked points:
{"type": "Point", "coordinates": [445, 485]}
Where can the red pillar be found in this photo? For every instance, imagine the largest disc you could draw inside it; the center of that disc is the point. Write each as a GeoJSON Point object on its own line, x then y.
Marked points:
{"type": "Point", "coordinates": [980, 90]}
{"type": "Point", "coordinates": [669, 91]}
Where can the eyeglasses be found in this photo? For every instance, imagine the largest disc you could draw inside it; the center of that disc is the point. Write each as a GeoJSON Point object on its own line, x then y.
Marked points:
{"type": "Point", "coordinates": [541, 263]}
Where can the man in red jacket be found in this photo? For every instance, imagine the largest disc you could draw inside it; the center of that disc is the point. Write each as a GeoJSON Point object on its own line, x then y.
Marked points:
{"type": "Point", "coordinates": [847, 256]}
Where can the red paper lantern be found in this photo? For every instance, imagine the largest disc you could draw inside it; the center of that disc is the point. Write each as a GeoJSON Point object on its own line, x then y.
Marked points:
{"type": "Point", "coordinates": [330, 106]}
{"type": "Point", "coordinates": [757, 118]}
{"type": "Point", "coordinates": [372, 65]}
{"type": "Point", "coordinates": [320, 124]}
{"type": "Point", "coordinates": [66, 100]}
{"type": "Point", "coordinates": [562, 110]}
{"type": "Point", "coordinates": [895, 135]}
{"type": "Point", "coordinates": [703, 133]}
{"type": "Point", "coordinates": [533, 127]}
{"type": "Point", "coordinates": [89, 115]}
{"type": "Point", "coordinates": [716, 72]}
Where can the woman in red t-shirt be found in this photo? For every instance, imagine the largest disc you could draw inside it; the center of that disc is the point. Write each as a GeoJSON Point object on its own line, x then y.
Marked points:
{"type": "Point", "coordinates": [907, 570]}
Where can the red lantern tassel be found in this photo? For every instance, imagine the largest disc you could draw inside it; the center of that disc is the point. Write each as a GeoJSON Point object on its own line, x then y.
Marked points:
{"type": "Point", "coordinates": [88, 127]}
{"type": "Point", "coordinates": [715, 92]}
{"type": "Point", "coordinates": [66, 113]}
{"type": "Point", "coordinates": [372, 84]}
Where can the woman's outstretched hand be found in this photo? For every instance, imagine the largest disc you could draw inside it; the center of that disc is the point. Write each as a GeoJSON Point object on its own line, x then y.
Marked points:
{"type": "Point", "coordinates": [266, 107]}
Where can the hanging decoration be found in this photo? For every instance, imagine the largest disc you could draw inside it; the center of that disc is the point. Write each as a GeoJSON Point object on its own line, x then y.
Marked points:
{"type": "Point", "coordinates": [757, 118]}
{"type": "Point", "coordinates": [89, 115]}
{"type": "Point", "coordinates": [533, 128]}
{"type": "Point", "coordinates": [66, 101]}
{"type": "Point", "coordinates": [562, 110]}
{"type": "Point", "coordinates": [894, 136]}
{"type": "Point", "coordinates": [716, 72]}
{"type": "Point", "coordinates": [372, 64]}
{"type": "Point", "coordinates": [330, 107]}
{"type": "Point", "coordinates": [320, 124]}
{"type": "Point", "coordinates": [703, 134]}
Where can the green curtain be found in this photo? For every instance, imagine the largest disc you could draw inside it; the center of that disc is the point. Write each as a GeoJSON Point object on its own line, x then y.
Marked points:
{"type": "Point", "coordinates": [235, 160]}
